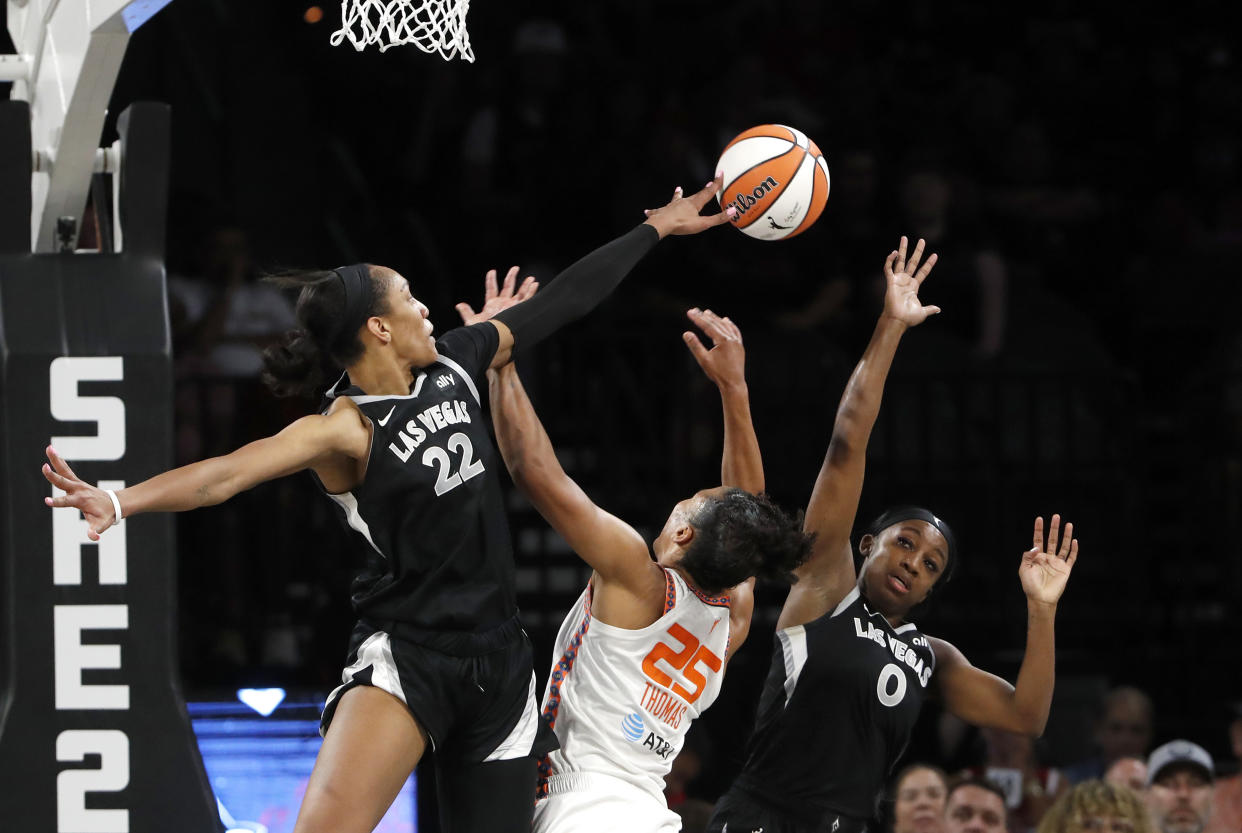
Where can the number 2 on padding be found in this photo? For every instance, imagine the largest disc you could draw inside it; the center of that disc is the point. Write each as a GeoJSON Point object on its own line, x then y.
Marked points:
{"type": "Point", "coordinates": [686, 659]}
{"type": "Point", "coordinates": [438, 457]}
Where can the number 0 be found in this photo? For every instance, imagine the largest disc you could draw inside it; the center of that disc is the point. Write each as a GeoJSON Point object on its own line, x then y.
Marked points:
{"type": "Point", "coordinates": [891, 672]}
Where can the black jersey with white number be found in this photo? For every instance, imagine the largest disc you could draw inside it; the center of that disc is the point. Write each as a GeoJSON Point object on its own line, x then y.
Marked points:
{"type": "Point", "coordinates": [837, 710]}
{"type": "Point", "coordinates": [428, 516]}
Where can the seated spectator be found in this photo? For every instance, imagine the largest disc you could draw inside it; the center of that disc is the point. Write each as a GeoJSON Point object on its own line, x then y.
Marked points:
{"type": "Point", "coordinates": [1097, 807]}
{"type": "Point", "coordinates": [1179, 787]}
{"type": "Point", "coordinates": [1128, 772]}
{"type": "Point", "coordinates": [918, 796]}
{"type": "Point", "coordinates": [1011, 764]}
{"type": "Point", "coordinates": [975, 806]}
{"type": "Point", "coordinates": [1122, 730]}
{"type": "Point", "coordinates": [1227, 797]}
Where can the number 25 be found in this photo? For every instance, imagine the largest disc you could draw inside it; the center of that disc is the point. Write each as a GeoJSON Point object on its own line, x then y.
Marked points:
{"type": "Point", "coordinates": [685, 659]}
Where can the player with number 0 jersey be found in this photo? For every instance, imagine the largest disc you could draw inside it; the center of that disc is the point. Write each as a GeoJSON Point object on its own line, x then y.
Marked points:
{"type": "Point", "coordinates": [643, 651]}
{"type": "Point", "coordinates": [849, 673]}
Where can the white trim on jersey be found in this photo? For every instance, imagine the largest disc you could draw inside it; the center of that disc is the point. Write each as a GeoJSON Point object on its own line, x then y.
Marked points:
{"type": "Point", "coordinates": [331, 394]}
{"type": "Point", "coordinates": [349, 503]}
{"type": "Point", "coordinates": [452, 365]}
{"type": "Point", "coordinates": [418, 384]}
{"type": "Point", "coordinates": [849, 599]}
{"type": "Point", "coordinates": [793, 646]}
{"type": "Point", "coordinates": [908, 626]}
{"type": "Point", "coordinates": [521, 739]}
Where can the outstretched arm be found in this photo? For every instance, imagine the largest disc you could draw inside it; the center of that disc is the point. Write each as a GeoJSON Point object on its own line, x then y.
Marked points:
{"type": "Point", "coordinates": [308, 442]}
{"type": "Point", "coordinates": [741, 464]}
{"type": "Point", "coordinates": [987, 700]}
{"type": "Point", "coordinates": [610, 546]}
{"type": "Point", "coordinates": [829, 573]}
{"type": "Point", "coordinates": [582, 286]}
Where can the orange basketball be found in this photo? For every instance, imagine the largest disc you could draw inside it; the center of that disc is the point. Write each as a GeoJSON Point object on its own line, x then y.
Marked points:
{"type": "Point", "coordinates": [777, 180]}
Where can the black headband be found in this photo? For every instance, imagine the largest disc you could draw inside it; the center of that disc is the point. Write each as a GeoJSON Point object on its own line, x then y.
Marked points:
{"type": "Point", "coordinates": [897, 514]}
{"type": "Point", "coordinates": [353, 280]}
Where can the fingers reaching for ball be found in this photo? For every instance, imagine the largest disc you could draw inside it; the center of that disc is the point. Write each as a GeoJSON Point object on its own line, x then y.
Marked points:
{"type": "Point", "coordinates": [682, 214]}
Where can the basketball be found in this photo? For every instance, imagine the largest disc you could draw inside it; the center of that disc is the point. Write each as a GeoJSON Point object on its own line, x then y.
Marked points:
{"type": "Point", "coordinates": [777, 180]}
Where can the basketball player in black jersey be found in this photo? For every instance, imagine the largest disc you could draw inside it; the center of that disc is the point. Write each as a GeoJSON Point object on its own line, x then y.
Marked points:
{"type": "Point", "coordinates": [401, 445]}
{"type": "Point", "coordinates": [849, 673]}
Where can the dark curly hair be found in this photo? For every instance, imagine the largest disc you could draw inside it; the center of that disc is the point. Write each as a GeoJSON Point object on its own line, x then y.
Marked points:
{"type": "Point", "coordinates": [322, 345]}
{"type": "Point", "coordinates": [739, 535]}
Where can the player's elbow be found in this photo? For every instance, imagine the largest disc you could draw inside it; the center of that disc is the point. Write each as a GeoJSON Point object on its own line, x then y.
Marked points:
{"type": "Point", "coordinates": [1029, 722]}
{"type": "Point", "coordinates": [840, 449]}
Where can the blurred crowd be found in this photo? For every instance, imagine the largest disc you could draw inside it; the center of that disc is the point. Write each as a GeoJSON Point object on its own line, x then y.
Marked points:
{"type": "Point", "coordinates": [1081, 181]}
{"type": "Point", "coordinates": [1126, 785]}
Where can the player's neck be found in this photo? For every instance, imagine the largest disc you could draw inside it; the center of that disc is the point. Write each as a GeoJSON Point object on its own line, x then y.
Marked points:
{"type": "Point", "coordinates": [381, 375]}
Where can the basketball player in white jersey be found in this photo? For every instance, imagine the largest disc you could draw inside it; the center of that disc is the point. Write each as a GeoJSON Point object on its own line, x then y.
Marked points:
{"type": "Point", "coordinates": [643, 651]}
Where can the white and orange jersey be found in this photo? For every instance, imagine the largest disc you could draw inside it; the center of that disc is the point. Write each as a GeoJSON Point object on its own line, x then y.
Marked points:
{"type": "Point", "coordinates": [620, 700]}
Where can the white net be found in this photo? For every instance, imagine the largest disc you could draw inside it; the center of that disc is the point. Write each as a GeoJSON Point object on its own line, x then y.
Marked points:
{"type": "Point", "coordinates": [432, 25]}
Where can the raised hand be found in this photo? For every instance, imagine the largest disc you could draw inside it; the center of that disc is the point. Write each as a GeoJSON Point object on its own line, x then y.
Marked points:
{"type": "Point", "coordinates": [93, 503]}
{"type": "Point", "coordinates": [1045, 569]}
{"type": "Point", "coordinates": [901, 300]}
{"type": "Point", "coordinates": [681, 215]}
{"type": "Point", "coordinates": [496, 300]}
{"type": "Point", "coordinates": [725, 362]}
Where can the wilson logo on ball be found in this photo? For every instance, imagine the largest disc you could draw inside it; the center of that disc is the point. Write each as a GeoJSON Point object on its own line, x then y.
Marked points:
{"type": "Point", "coordinates": [778, 179]}
{"type": "Point", "coordinates": [745, 202]}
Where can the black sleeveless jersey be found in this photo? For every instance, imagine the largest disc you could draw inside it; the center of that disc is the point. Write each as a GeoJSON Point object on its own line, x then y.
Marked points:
{"type": "Point", "coordinates": [836, 711]}
{"type": "Point", "coordinates": [428, 516]}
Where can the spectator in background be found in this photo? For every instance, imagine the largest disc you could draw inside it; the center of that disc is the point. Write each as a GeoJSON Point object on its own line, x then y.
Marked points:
{"type": "Point", "coordinates": [1011, 764]}
{"type": "Point", "coordinates": [975, 805]}
{"type": "Point", "coordinates": [694, 812]}
{"type": "Point", "coordinates": [1123, 730]}
{"type": "Point", "coordinates": [918, 799]}
{"type": "Point", "coordinates": [1128, 772]}
{"type": "Point", "coordinates": [1097, 807]}
{"type": "Point", "coordinates": [1179, 781]}
{"type": "Point", "coordinates": [231, 316]}
{"type": "Point", "coordinates": [1227, 797]}
{"type": "Point", "coordinates": [975, 289]}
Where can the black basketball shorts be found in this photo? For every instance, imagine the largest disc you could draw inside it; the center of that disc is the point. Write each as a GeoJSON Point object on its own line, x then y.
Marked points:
{"type": "Point", "coordinates": [476, 704]}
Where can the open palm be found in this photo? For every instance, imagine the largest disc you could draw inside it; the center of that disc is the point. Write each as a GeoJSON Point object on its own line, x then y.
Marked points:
{"type": "Point", "coordinates": [904, 278]}
{"type": "Point", "coordinates": [495, 300]}
{"type": "Point", "coordinates": [1045, 569]}
{"type": "Point", "coordinates": [92, 502]}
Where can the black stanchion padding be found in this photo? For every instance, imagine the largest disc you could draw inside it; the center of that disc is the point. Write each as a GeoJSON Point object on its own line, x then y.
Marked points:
{"type": "Point", "coordinates": [15, 172]}
{"type": "Point", "coordinates": [93, 730]}
{"type": "Point", "coordinates": [144, 128]}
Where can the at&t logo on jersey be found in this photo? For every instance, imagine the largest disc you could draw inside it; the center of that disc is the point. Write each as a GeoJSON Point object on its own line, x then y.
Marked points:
{"type": "Point", "coordinates": [634, 730]}
{"type": "Point", "coordinates": [633, 727]}
{"type": "Point", "coordinates": [658, 745]}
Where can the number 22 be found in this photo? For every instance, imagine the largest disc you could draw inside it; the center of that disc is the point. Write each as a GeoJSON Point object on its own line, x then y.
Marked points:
{"type": "Point", "coordinates": [438, 457]}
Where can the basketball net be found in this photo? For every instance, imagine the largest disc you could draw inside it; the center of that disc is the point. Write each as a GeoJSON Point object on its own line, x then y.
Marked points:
{"type": "Point", "coordinates": [431, 25]}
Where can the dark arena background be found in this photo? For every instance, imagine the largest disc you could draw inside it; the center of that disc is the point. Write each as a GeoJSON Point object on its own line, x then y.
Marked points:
{"type": "Point", "coordinates": [1077, 168]}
